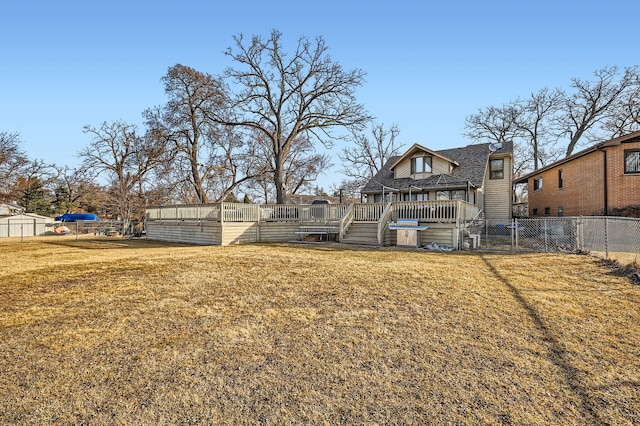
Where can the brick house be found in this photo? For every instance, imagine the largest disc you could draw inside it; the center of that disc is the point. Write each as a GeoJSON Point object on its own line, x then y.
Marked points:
{"type": "Point", "coordinates": [601, 180]}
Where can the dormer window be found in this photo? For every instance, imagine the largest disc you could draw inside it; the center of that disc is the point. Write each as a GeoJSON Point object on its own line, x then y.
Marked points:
{"type": "Point", "coordinates": [420, 165]}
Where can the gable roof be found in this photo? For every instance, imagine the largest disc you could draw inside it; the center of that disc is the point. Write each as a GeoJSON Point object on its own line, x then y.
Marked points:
{"type": "Point", "coordinates": [471, 160]}
{"type": "Point", "coordinates": [419, 148]}
{"type": "Point", "coordinates": [631, 137]}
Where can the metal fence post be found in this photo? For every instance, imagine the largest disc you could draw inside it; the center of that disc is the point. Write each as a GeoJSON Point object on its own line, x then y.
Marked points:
{"type": "Point", "coordinates": [606, 238]}
{"type": "Point", "coordinates": [517, 228]}
{"type": "Point", "coordinates": [579, 234]}
{"type": "Point", "coordinates": [546, 242]}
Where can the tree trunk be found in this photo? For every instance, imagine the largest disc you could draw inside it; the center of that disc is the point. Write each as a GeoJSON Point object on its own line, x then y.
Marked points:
{"type": "Point", "coordinates": [279, 179]}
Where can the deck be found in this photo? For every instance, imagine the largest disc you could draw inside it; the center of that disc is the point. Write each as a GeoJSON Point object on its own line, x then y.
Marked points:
{"type": "Point", "coordinates": [233, 223]}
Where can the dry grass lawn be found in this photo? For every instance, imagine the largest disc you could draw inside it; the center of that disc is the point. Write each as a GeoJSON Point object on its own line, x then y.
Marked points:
{"type": "Point", "coordinates": [103, 331]}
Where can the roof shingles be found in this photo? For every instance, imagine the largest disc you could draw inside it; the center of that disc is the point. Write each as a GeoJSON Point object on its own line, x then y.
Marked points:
{"type": "Point", "coordinates": [472, 159]}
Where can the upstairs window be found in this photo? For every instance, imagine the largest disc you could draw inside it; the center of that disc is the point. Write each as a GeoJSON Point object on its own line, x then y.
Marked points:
{"type": "Point", "coordinates": [537, 184]}
{"type": "Point", "coordinates": [560, 179]}
{"type": "Point", "coordinates": [631, 161]}
{"type": "Point", "coordinates": [496, 169]}
{"type": "Point", "coordinates": [420, 165]}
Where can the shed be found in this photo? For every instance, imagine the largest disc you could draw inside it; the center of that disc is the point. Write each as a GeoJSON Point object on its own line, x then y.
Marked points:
{"type": "Point", "coordinates": [24, 225]}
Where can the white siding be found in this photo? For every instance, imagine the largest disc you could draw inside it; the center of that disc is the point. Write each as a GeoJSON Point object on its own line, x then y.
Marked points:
{"type": "Point", "coordinates": [25, 225]}
{"type": "Point", "coordinates": [438, 166]}
{"type": "Point", "coordinates": [191, 232]}
{"type": "Point", "coordinates": [278, 231]}
{"type": "Point", "coordinates": [403, 170]}
{"type": "Point", "coordinates": [239, 232]}
{"type": "Point", "coordinates": [497, 193]}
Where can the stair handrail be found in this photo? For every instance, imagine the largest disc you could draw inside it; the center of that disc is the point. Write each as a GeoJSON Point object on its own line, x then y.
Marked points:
{"type": "Point", "coordinates": [345, 222]}
{"type": "Point", "coordinates": [384, 220]}
{"type": "Point", "coordinates": [473, 220]}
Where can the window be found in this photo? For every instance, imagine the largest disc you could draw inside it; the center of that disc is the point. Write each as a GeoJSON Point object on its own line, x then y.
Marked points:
{"type": "Point", "coordinates": [417, 196]}
{"type": "Point", "coordinates": [560, 211]}
{"type": "Point", "coordinates": [443, 195]}
{"type": "Point", "coordinates": [537, 184]}
{"type": "Point", "coordinates": [560, 179]}
{"type": "Point", "coordinates": [496, 169]}
{"type": "Point", "coordinates": [458, 195]}
{"type": "Point", "coordinates": [420, 165]}
{"type": "Point", "coordinates": [535, 212]}
{"type": "Point", "coordinates": [547, 211]}
{"type": "Point", "coordinates": [631, 161]}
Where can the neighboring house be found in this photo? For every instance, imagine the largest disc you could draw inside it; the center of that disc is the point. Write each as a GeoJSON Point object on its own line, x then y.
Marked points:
{"type": "Point", "coordinates": [9, 209]}
{"type": "Point", "coordinates": [309, 199]}
{"type": "Point", "coordinates": [480, 174]}
{"type": "Point", "coordinates": [601, 180]}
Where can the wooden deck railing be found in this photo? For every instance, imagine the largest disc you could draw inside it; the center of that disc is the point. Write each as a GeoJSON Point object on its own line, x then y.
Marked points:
{"type": "Point", "coordinates": [236, 212]}
{"type": "Point", "coordinates": [185, 212]}
{"type": "Point", "coordinates": [368, 212]}
{"type": "Point", "coordinates": [434, 211]}
{"type": "Point", "coordinates": [384, 220]}
{"type": "Point", "coordinates": [346, 221]}
{"type": "Point", "coordinates": [424, 211]}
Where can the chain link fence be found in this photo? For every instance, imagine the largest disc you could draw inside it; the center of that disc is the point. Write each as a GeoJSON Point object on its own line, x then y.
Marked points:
{"type": "Point", "coordinates": [39, 228]}
{"type": "Point", "coordinates": [615, 238]}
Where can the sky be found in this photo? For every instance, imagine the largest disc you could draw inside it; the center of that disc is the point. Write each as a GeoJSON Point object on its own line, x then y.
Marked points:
{"type": "Point", "coordinates": [428, 65]}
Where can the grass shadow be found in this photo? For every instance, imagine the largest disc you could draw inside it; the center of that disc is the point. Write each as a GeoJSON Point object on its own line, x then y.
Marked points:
{"type": "Point", "coordinates": [556, 352]}
{"type": "Point", "coordinates": [102, 243]}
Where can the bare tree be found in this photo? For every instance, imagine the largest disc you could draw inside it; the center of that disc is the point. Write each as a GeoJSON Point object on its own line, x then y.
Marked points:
{"type": "Point", "coordinates": [369, 154]}
{"type": "Point", "coordinates": [117, 151]}
{"type": "Point", "coordinates": [72, 187]}
{"type": "Point", "coordinates": [285, 97]}
{"type": "Point", "coordinates": [494, 124]}
{"type": "Point", "coordinates": [210, 159]}
{"type": "Point", "coordinates": [12, 162]}
{"type": "Point", "coordinates": [591, 101]}
{"type": "Point", "coordinates": [535, 124]}
{"type": "Point", "coordinates": [624, 116]}
{"type": "Point", "coordinates": [498, 125]}
{"type": "Point", "coordinates": [301, 166]}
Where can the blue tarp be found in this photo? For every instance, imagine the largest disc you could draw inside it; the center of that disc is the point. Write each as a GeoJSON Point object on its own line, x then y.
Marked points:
{"type": "Point", "coordinates": [74, 217]}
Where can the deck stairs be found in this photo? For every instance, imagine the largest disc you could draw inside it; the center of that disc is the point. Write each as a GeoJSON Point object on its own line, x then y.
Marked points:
{"type": "Point", "coordinates": [362, 233]}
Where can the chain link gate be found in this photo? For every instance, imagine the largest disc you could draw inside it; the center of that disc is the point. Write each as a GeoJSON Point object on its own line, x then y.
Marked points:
{"type": "Point", "coordinates": [604, 235]}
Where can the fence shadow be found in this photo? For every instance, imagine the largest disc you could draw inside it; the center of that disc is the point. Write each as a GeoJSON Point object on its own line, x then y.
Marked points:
{"type": "Point", "coordinates": [556, 352]}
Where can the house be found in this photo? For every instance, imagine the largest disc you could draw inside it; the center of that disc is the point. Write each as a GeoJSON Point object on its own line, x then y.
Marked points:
{"type": "Point", "coordinates": [310, 199]}
{"type": "Point", "coordinates": [603, 179]}
{"type": "Point", "coordinates": [10, 209]}
{"type": "Point", "coordinates": [479, 174]}
{"type": "Point", "coordinates": [441, 193]}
